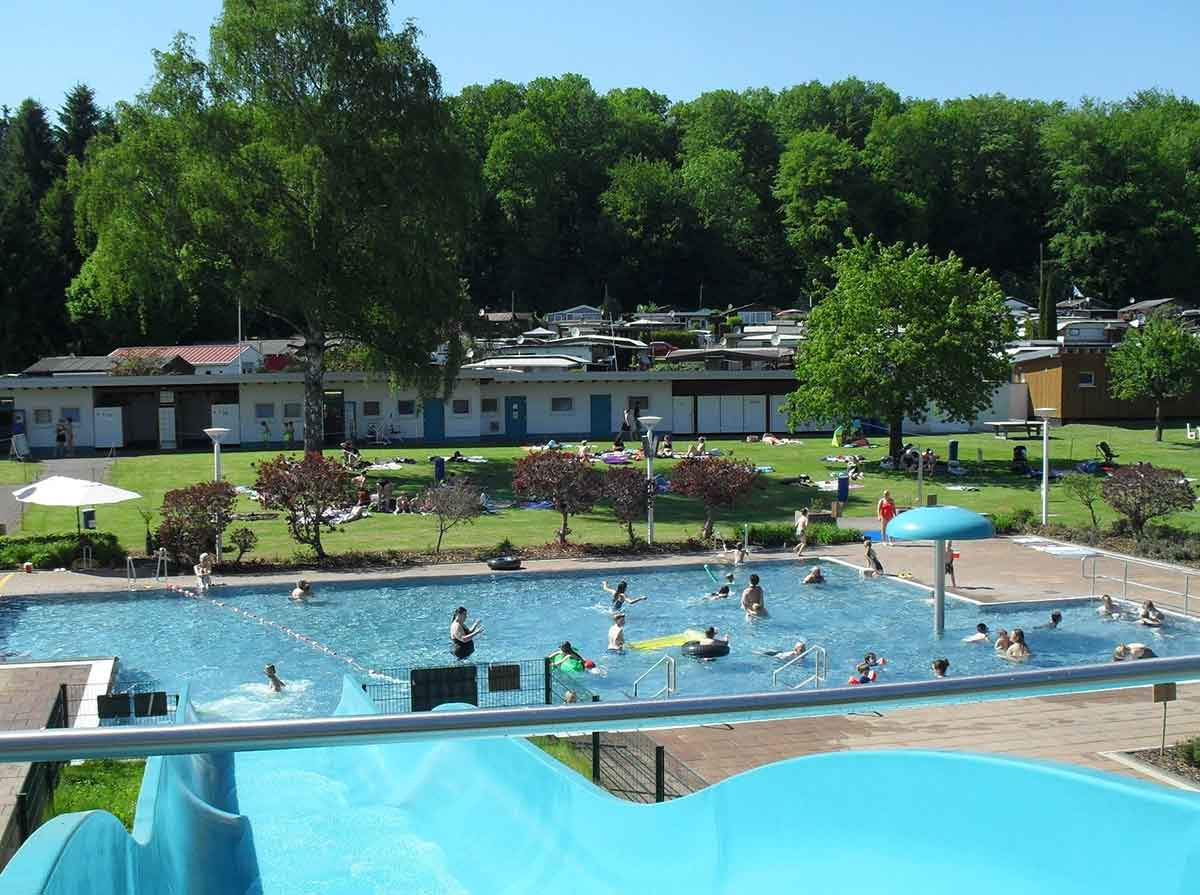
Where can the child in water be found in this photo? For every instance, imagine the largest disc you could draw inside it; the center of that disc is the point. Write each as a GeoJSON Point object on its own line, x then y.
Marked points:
{"type": "Point", "coordinates": [864, 674]}
{"type": "Point", "coordinates": [873, 568]}
{"type": "Point", "coordinates": [273, 679]}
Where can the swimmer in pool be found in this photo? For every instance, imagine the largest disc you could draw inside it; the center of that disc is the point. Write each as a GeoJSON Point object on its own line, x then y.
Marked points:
{"type": "Point", "coordinates": [816, 576]}
{"type": "Point", "coordinates": [980, 635]}
{"type": "Point", "coordinates": [720, 593]}
{"type": "Point", "coordinates": [1002, 641]}
{"type": "Point", "coordinates": [1055, 621]}
{"type": "Point", "coordinates": [1018, 650]}
{"type": "Point", "coordinates": [710, 637]}
{"type": "Point", "coordinates": [752, 599]}
{"type": "Point", "coordinates": [273, 679]}
{"type": "Point", "coordinates": [786, 655]}
{"type": "Point", "coordinates": [462, 636]}
{"type": "Point", "coordinates": [873, 568]}
{"type": "Point", "coordinates": [863, 674]}
{"type": "Point", "coordinates": [620, 596]}
{"type": "Point", "coordinates": [940, 667]}
{"type": "Point", "coordinates": [204, 570]}
{"type": "Point", "coordinates": [616, 634]}
{"type": "Point", "coordinates": [736, 556]}
{"type": "Point", "coordinates": [303, 590]}
{"type": "Point", "coordinates": [1131, 651]}
{"type": "Point", "coordinates": [873, 661]}
{"type": "Point", "coordinates": [1150, 615]}
{"type": "Point", "coordinates": [1107, 608]}
{"type": "Point", "coordinates": [565, 653]}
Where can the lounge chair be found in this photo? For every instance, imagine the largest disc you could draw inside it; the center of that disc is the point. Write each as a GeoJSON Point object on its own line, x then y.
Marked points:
{"type": "Point", "coordinates": [1193, 434]}
{"type": "Point", "coordinates": [19, 448]}
{"type": "Point", "coordinates": [1110, 457]}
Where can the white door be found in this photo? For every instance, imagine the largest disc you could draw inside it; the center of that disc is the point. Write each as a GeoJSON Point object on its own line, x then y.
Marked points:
{"type": "Point", "coordinates": [683, 414]}
{"type": "Point", "coordinates": [350, 408]}
{"type": "Point", "coordinates": [109, 428]}
{"type": "Point", "coordinates": [731, 413]}
{"type": "Point", "coordinates": [166, 428]}
{"type": "Point", "coordinates": [779, 418]}
{"type": "Point", "coordinates": [709, 411]}
{"type": "Point", "coordinates": [228, 416]}
{"type": "Point", "coordinates": [754, 413]}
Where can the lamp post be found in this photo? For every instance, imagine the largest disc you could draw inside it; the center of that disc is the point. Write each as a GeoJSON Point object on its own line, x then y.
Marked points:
{"type": "Point", "coordinates": [1044, 413]}
{"type": "Point", "coordinates": [650, 422]}
{"type": "Point", "coordinates": [216, 434]}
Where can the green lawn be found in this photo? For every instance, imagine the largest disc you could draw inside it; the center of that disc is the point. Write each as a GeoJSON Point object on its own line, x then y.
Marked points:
{"type": "Point", "coordinates": [106, 784]}
{"type": "Point", "coordinates": [13, 473]}
{"type": "Point", "coordinates": [677, 518]}
{"type": "Point", "coordinates": [563, 751]}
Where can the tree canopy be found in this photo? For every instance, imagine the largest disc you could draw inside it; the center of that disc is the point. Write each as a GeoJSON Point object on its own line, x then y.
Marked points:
{"type": "Point", "coordinates": [1158, 360]}
{"type": "Point", "coordinates": [900, 331]}
{"type": "Point", "coordinates": [309, 169]}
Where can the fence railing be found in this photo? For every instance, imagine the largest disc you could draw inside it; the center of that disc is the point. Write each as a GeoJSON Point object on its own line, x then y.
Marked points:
{"type": "Point", "coordinates": [633, 766]}
{"type": "Point", "coordinates": [141, 704]}
{"type": "Point", "coordinates": [522, 682]}
{"type": "Point", "coordinates": [1165, 582]}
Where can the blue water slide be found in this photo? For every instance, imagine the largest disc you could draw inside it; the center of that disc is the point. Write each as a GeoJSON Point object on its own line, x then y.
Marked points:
{"type": "Point", "coordinates": [500, 816]}
{"type": "Point", "coordinates": [188, 838]}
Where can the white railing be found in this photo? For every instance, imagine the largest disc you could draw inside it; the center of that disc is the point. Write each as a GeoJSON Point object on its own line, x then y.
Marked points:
{"type": "Point", "coordinates": [820, 670]}
{"type": "Point", "coordinates": [1089, 568]}
{"type": "Point", "coordinates": [668, 688]}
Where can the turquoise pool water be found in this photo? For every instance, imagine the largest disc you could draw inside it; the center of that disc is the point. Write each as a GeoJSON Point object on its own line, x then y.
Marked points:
{"type": "Point", "coordinates": [171, 639]}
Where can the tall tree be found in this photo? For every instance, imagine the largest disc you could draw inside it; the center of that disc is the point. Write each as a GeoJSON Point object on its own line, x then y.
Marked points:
{"type": "Point", "coordinates": [309, 168]}
{"type": "Point", "coordinates": [899, 332]}
{"type": "Point", "coordinates": [78, 121]}
{"type": "Point", "coordinates": [1159, 360]}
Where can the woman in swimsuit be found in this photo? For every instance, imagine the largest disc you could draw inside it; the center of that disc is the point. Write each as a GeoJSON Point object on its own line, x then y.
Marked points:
{"type": "Point", "coordinates": [620, 596]}
{"type": "Point", "coordinates": [462, 636]}
{"type": "Point", "coordinates": [885, 512]}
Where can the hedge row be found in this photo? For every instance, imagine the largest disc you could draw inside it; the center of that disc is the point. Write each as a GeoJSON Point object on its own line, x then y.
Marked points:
{"type": "Point", "coordinates": [54, 551]}
{"type": "Point", "coordinates": [820, 534]}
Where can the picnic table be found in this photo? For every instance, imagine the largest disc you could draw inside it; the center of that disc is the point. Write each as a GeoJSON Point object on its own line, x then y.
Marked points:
{"type": "Point", "coordinates": [1001, 428]}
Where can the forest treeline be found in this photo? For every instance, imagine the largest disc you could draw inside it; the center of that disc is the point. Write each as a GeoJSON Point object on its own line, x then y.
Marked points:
{"type": "Point", "coordinates": [732, 197]}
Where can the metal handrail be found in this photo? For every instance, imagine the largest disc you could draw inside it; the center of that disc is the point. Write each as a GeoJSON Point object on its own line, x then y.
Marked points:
{"type": "Point", "coordinates": [1126, 580]}
{"type": "Point", "coordinates": [363, 730]}
{"type": "Point", "coordinates": [820, 668]}
{"type": "Point", "coordinates": [668, 688]}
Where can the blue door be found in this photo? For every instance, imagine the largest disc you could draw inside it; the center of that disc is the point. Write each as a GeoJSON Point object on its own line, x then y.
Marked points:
{"type": "Point", "coordinates": [601, 416]}
{"type": "Point", "coordinates": [514, 418]}
{"type": "Point", "coordinates": [434, 411]}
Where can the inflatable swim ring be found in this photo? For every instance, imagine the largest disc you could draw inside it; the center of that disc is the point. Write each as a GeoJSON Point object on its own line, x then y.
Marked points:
{"type": "Point", "coordinates": [504, 563]}
{"type": "Point", "coordinates": [698, 650]}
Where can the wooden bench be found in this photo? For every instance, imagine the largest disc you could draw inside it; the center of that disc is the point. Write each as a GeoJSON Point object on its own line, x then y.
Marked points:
{"type": "Point", "coordinates": [1001, 428]}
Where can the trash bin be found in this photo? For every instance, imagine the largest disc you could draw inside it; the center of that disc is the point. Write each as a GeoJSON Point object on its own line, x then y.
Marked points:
{"type": "Point", "coordinates": [953, 450]}
{"type": "Point", "coordinates": [88, 515]}
{"type": "Point", "coordinates": [843, 489]}
{"type": "Point", "coordinates": [439, 469]}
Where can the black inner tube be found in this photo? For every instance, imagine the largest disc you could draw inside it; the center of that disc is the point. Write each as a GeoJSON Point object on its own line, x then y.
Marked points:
{"type": "Point", "coordinates": [504, 563]}
{"type": "Point", "coordinates": [705, 650]}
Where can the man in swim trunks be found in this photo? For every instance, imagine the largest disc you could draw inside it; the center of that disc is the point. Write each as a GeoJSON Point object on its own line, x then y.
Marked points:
{"type": "Point", "coordinates": [752, 599]}
{"type": "Point", "coordinates": [616, 634]}
{"type": "Point", "coordinates": [801, 532]}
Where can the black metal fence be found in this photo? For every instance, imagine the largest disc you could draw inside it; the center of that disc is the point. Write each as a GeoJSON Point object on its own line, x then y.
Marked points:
{"type": "Point", "coordinates": [633, 766]}
{"type": "Point", "coordinates": [38, 790]}
{"type": "Point", "coordinates": [487, 685]}
{"type": "Point", "coordinates": [141, 704]}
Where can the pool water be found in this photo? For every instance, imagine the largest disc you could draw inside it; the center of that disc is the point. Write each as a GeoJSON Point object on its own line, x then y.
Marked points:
{"type": "Point", "coordinates": [171, 639]}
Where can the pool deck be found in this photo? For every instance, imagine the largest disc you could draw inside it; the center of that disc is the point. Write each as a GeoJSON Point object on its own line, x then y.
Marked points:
{"type": "Point", "coordinates": [1077, 729]}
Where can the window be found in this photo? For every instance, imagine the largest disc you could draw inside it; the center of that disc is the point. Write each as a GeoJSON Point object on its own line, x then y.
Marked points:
{"type": "Point", "coordinates": [1072, 330]}
{"type": "Point", "coordinates": [370, 408]}
{"type": "Point", "coordinates": [1087, 379]}
{"type": "Point", "coordinates": [72, 414]}
{"type": "Point", "coordinates": [641, 403]}
{"type": "Point", "coordinates": [562, 405]}
{"type": "Point", "coordinates": [489, 405]}
{"type": "Point", "coordinates": [460, 406]}
{"type": "Point", "coordinates": [291, 410]}
{"type": "Point", "coordinates": [406, 408]}
{"type": "Point", "coordinates": [264, 411]}
{"type": "Point", "coordinates": [166, 397]}
{"type": "Point", "coordinates": [42, 416]}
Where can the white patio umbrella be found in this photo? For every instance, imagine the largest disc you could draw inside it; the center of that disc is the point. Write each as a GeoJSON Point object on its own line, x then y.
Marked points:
{"type": "Point", "coordinates": [63, 491]}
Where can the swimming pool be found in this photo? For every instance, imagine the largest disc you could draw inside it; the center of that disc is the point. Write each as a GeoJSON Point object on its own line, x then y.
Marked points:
{"type": "Point", "coordinates": [171, 639]}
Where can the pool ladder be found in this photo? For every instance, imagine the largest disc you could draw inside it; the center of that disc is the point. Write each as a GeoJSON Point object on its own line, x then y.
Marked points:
{"type": "Point", "coordinates": [668, 688]}
{"type": "Point", "coordinates": [819, 673]}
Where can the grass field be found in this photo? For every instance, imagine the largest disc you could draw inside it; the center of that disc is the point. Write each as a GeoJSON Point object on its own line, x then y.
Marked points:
{"type": "Point", "coordinates": [105, 783]}
{"type": "Point", "coordinates": [18, 473]}
{"type": "Point", "coordinates": [677, 518]}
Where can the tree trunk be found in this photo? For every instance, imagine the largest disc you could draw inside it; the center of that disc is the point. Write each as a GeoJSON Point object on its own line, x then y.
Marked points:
{"type": "Point", "coordinates": [706, 534]}
{"type": "Point", "coordinates": [1158, 420]}
{"type": "Point", "coordinates": [896, 438]}
{"type": "Point", "coordinates": [437, 550]}
{"type": "Point", "coordinates": [632, 538]}
{"type": "Point", "coordinates": [563, 532]}
{"type": "Point", "coordinates": [314, 392]}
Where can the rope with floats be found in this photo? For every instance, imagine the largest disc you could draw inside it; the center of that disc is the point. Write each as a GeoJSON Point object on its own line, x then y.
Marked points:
{"type": "Point", "coordinates": [285, 630]}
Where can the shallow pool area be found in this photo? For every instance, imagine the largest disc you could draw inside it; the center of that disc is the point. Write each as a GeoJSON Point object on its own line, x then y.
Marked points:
{"type": "Point", "coordinates": [219, 651]}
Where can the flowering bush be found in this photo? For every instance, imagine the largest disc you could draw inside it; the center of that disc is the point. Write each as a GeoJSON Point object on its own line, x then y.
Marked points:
{"type": "Point", "coordinates": [567, 481]}
{"type": "Point", "coordinates": [715, 481]}
{"type": "Point", "coordinates": [305, 490]}
{"type": "Point", "coordinates": [194, 518]}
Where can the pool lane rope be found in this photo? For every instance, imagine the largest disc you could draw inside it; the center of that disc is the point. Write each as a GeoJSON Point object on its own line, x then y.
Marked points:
{"type": "Point", "coordinates": [284, 629]}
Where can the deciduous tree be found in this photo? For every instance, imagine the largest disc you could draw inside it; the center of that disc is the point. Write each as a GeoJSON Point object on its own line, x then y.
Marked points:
{"type": "Point", "coordinates": [194, 518]}
{"type": "Point", "coordinates": [1158, 360]}
{"type": "Point", "coordinates": [565, 480]}
{"type": "Point", "coordinates": [716, 482]}
{"type": "Point", "coordinates": [1142, 492]}
{"type": "Point", "coordinates": [306, 490]}
{"type": "Point", "coordinates": [900, 332]}
{"type": "Point", "coordinates": [1086, 489]}
{"type": "Point", "coordinates": [627, 490]}
{"type": "Point", "coordinates": [453, 504]}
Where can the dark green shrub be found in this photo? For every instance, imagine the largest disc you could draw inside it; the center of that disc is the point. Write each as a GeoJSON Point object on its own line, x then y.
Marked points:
{"type": "Point", "coordinates": [1189, 752]}
{"type": "Point", "coordinates": [772, 535]}
{"type": "Point", "coordinates": [826, 534]}
{"type": "Point", "coordinates": [53, 551]}
{"type": "Point", "coordinates": [244, 539]}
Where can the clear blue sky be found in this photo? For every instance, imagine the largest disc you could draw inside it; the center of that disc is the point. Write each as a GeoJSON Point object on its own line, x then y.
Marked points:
{"type": "Point", "coordinates": [1056, 50]}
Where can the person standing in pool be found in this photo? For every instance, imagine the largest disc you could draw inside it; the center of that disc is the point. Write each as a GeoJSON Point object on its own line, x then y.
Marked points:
{"type": "Point", "coordinates": [616, 634]}
{"type": "Point", "coordinates": [273, 679]}
{"type": "Point", "coordinates": [462, 636]}
{"type": "Point", "coordinates": [752, 599]}
{"type": "Point", "coordinates": [303, 590]}
{"type": "Point", "coordinates": [620, 596]}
